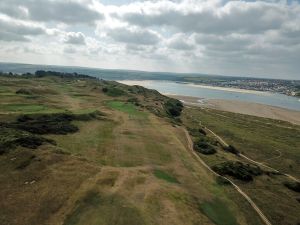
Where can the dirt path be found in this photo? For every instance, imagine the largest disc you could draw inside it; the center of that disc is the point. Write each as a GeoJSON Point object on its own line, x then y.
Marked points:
{"type": "Point", "coordinates": [254, 206]}
{"type": "Point", "coordinates": [222, 142]}
{"type": "Point", "coordinates": [275, 157]}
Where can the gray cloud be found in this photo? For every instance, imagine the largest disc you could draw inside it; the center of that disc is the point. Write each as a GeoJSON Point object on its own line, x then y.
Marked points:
{"type": "Point", "coordinates": [134, 36]}
{"type": "Point", "coordinates": [14, 31]}
{"type": "Point", "coordinates": [75, 38]}
{"type": "Point", "coordinates": [235, 16]}
{"type": "Point", "coordinates": [180, 42]}
{"type": "Point", "coordinates": [69, 12]}
{"type": "Point", "coordinates": [209, 36]}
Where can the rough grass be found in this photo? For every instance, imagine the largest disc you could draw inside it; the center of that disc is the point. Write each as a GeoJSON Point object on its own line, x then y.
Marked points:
{"type": "Point", "coordinates": [160, 174]}
{"type": "Point", "coordinates": [259, 138]}
{"type": "Point", "coordinates": [99, 209]}
{"type": "Point", "coordinates": [115, 144]}
{"type": "Point", "coordinates": [218, 212]}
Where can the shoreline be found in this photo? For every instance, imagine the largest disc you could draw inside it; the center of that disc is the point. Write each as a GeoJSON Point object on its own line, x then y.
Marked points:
{"type": "Point", "coordinates": [247, 108]}
{"type": "Point", "coordinates": [229, 89]}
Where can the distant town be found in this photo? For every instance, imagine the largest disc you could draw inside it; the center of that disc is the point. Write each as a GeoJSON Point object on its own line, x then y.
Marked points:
{"type": "Point", "coordinates": [287, 87]}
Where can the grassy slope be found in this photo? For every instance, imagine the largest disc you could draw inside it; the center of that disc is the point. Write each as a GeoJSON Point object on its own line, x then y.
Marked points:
{"type": "Point", "coordinates": [108, 170]}
{"type": "Point", "coordinates": [259, 139]}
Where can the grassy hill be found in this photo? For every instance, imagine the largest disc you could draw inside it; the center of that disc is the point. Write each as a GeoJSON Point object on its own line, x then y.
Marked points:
{"type": "Point", "coordinates": [272, 142]}
{"type": "Point", "coordinates": [78, 150]}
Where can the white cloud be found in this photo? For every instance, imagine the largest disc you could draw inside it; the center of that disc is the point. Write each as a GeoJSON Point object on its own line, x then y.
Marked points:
{"type": "Point", "coordinates": [12, 30]}
{"type": "Point", "coordinates": [208, 36]}
{"type": "Point", "coordinates": [134, 36]}
{"type": "Point", "coordinates": [69, 11]}
{"type": "Point", "coordinates": [75, 38]}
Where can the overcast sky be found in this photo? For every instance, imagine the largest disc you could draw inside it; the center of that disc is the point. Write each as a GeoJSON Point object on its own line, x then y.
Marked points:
{"type": "Point", "coordinates": [255, 38]}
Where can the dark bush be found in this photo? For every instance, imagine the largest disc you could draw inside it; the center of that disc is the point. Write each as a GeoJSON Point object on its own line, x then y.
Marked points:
{"type": "Point", "coordinates": [238, 170]}
{"type": "Point", "coordinates": [11, 138]}
{"type": "Point", "coordinates": [231, 149]}
{"type": "Point", "coordinates": [49, 127]}
{"type": "Point", "coordinates": [113, 91]}
{"type": "Point", "coordinates": [202, 131]}
{"type": "Point", "coordinates": [59, 123]}
{"type": "Point", "coordinates": [24, 91]}
{"type": "Point", "coordinates": [203, 147]}
{"type": "Point", "coordinates": [105, 89]}
{"type": "Point", "coordinates": [222, 181]}
{"type": "Point", "coordinates": [173, 107]}
{"type": "Point", "coordinates": [294, 186]}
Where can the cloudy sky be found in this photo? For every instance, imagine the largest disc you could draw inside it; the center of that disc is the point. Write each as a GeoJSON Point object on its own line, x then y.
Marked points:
{"type": "Point", "coordinates": [257, 38]}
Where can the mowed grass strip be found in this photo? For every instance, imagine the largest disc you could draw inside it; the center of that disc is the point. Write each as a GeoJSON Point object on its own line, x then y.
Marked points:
{"type": "Point", "coordinates": [19, 107]}
{"type": "Point", "coordinates": [126, 107]}
{"type": "Point", "coordinates": [160, 174]}
{"type": "Point", "coordinates": [218, 212]}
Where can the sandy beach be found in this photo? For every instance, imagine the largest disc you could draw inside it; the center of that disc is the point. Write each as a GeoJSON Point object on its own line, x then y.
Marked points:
{"type": "Point", "coordinates": [248, 108]}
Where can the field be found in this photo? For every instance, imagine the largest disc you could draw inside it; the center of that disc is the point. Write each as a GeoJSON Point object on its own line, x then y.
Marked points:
{"type": "Point", "coordinates": [128, 163]}
{"type": "Point", "coordinates": [275, 143]}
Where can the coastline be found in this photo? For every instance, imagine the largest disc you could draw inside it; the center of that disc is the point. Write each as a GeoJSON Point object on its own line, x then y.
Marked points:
{"type": "Point", "coordinates": [238, 90]}
{"type": "Point", "coordinates": [248, 108]}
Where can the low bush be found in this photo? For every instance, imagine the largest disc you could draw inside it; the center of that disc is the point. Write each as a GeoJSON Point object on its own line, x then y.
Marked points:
{"type": "Point", "coordinates": [231, 149]}
{"type": "Point", "coordinates": [11, 138]}
{"type": "Point", "coordinates": [113, 91]}
{"type": "Point", "coordinates": [238, 170]}
{"type": "Point", "coordinates": [59, 123]}
{"type": "Point", "coordinates": [173, 107]}
{"type": "Point", "coordinates": [222, 181]}
{"type": "Point", "coordinates": [204, 148]}
{"type": "Point", "coordinates": [134, 101]}
{"type": "Point", "coordinates": [202, 131]}
{"type": "Point", "coordinates": [294, 186]}
{"type": "Point", "coordinates": [24, 91]}
{"type": "Point", "coordinates": [205, 145]}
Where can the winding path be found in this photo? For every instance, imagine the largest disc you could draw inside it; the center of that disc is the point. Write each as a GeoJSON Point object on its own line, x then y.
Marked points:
{"type": "Point", "coordinates": [251, 202]}
{"type": "Point", "coordinates": [222, 142]}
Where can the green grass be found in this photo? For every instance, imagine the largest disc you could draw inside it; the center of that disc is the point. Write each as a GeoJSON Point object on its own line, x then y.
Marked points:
{"type": "Point", "coordinates": [19, 107]}
{"type": "Point", "coordinates": [259, 138]}
{"type": "Point", "coordinates": [165, 176]}
{"type": "Point", "coordinates": [218, 212]}
{"type": "Point", "coordinates": [126, 107]}
{"type": "Point", "coordinates": [96, 209]}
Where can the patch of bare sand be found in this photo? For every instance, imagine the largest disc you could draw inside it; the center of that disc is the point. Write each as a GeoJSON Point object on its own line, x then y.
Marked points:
{"type": "Point", "coordinates": [254, 109]}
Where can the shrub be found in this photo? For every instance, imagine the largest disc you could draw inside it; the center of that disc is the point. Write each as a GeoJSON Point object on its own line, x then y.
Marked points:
{"type": "Point", "coordinates": [238, 170]}
{"type": "Point", "coordinates": [173, 107]}
{"type": "Point", "coordinates": [204, 147]}
{"type": "Point", "coordinates": [222, 181]}
{"type": "Point", "coordinates": [59, 123]}
{"type": "Point", "coordinates": [202, 131]}
{"type": "Point", "coordinates": [11, 138]}
{"type": "Point", "coordinates": [294, 186]}
{"type": "Point", "coordinates": [231, 149]}
{"type": "Point", "coordinates": [113, 91]}
{"type": "Point", "coordinates": [24, 91]}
